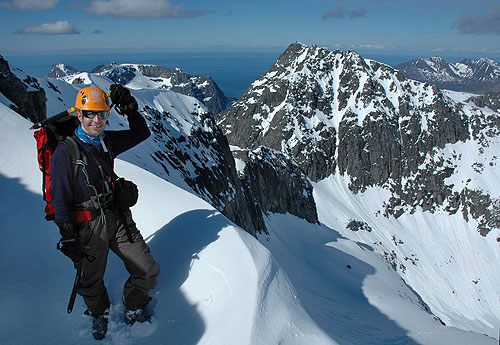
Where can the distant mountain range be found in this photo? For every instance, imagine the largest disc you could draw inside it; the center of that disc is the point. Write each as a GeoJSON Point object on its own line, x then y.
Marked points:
{"type": "Point", "coordinates": [480, 75]}
{"type": "Point", "coordinates": [137, 76]}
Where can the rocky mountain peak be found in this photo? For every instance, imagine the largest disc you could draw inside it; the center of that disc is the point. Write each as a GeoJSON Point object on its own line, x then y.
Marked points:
{"type": "Point", "coordinates": [333, 112]}
{"type": "Point", "coordinates": [61, 70]}
{"type": "Point", "coordinates": [298, 106]}
{"type": "Point", "coordinates": [137, 76]}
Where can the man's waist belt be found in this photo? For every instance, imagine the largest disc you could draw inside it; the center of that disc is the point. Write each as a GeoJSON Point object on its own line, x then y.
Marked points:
{"type": "Point", "coordinates": [86, 214]}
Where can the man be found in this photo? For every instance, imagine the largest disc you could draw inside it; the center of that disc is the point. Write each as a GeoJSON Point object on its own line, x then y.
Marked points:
{"type": "Point", "coordinates": [86, 211]}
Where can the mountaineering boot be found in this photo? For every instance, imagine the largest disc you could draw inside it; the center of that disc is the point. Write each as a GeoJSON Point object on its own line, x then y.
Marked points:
{"type": "Point", "coordinates": [137, 307]}
{"type": "Point", "coordinates": [99, 324]}
{"type": "Point", "coordinates": [99, 327]}
{"type": "Point", "coordinates": [139, 315]}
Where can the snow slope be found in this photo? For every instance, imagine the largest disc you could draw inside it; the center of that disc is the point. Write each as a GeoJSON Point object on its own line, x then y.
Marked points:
{"type": "Point", "coordinates": [213, 273]}
{"type": "Point", "coordinates": [351, 293]}
{"type": "Point", "coordinates": [439, 255]}
{"type": "Point", "coordinates": [304, 284]}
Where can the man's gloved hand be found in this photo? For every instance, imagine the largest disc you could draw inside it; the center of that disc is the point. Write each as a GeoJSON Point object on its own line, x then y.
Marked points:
{"type": "Point", "coordinates": [69, 244]}
{"type": "Point", "coordinates": [123, 99]}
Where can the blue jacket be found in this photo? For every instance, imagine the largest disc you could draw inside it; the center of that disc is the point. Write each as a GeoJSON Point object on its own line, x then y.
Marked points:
{"type": "Point", "coordinates": [64, 195]}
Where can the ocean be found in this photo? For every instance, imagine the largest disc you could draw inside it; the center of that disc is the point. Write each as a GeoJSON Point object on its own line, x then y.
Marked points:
{"type": "Point", "coordinates": [232, 71]}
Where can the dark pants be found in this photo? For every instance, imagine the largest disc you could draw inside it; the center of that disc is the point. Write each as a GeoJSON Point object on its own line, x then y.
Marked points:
{"type": "Point", "coordinates": [97, 238]}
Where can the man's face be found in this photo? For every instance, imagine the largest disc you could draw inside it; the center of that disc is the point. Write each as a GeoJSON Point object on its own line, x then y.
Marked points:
{"type": "Point", "coordinates": [93, 126]}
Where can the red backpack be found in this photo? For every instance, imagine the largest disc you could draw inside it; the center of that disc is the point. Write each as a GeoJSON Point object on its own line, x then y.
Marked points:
{"type": "Point", "coordinates": [51, 132]}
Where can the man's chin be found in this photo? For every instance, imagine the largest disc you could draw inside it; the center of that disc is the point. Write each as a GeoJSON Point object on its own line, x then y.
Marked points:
{"type": "Point", "coordinates": [96, 133]}
{"type": "Point", "coordinates": [93, 131]}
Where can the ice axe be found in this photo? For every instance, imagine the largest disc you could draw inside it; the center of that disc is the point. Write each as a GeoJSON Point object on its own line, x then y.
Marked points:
{"type": "Point", "coordinates": [58, 116]}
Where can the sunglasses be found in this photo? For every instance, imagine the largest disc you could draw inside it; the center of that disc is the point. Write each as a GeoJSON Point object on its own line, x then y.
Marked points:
{"type": "Point", "coordinates": [91, 114]}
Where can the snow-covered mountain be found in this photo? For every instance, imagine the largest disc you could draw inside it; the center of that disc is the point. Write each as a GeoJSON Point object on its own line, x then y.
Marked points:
{"type": "Point", "coordinates": [61, 70]}
{"type": "Point", "coordinates": [348, 271]}
{"type": "Point", "coordinates": [137, 76]}
{"type": "Point", "coordinates": [337, 113]}
{"type": "Point", "coordinates": [479, 75]}
{"type": "Point", "coordinates": [409, 169]}
{"type": "Point", "coordinates": [303, 284]}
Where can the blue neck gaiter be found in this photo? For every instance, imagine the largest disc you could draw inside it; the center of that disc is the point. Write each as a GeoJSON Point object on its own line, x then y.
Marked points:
{"type": "Point", "coordinates": [87, 138]}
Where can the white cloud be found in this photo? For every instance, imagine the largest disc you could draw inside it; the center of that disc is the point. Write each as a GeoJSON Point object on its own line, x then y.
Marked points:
{"type": "Point", "coordinates": [372, 46]}
{"type": "Point", "coordinates": [57, 28]}
{"type": "Point", "coordinates": [141, 9]}
{"type": "Point", "coordinates": [30, 5]}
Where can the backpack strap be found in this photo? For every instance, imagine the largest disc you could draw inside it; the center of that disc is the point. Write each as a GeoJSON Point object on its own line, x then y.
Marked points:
{"type": "Point", "coordinates": [75, 155]}
{"type": "Point", "coordinates": [107, 168]}
{"type": "Point", "coordinates": [82, 160]}
{"type": "Point", "coordinates": [79, 159]}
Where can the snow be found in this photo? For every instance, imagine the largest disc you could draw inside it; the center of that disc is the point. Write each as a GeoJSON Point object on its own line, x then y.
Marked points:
{"type": "Point", "coordinates": [83, 78]}
{"type": "Point", "coordinates": [240, 166]}
{"type": "Point", "coordinates": [477, 166]}
{"type": "Point", "coordinates": [213, 273]}
{"type": "Point", "coordinates": [461, 70]}
{"type": "Point", "coordinates": [302, 284]}
{"type": "Point", "coordinates": [442, 272]}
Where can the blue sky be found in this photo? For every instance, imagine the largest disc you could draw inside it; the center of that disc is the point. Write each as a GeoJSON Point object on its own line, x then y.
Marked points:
{"type": "Point", "coordinates": [440, 27]}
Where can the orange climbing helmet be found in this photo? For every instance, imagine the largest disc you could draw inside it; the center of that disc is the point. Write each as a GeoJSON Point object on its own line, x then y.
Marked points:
{"type": "Point", "coordinates": [93, 99]}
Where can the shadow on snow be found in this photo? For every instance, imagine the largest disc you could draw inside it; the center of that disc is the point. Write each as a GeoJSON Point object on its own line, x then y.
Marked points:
{"type": "Point", "coordinates": [329, 284]}
{"type": "Point", "coordinates": [176, 246]}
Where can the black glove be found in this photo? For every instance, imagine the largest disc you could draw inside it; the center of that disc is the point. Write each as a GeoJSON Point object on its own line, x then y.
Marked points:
{"type": "Point", "coordinates": [123, 99]}
{"type": "Point", "coordinates": [69, 244]}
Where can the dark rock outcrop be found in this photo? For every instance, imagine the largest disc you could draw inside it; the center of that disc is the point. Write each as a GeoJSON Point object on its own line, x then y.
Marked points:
{"type": "Point", "coordinates": [276, 184]}
{"type": "Point", "coordinates": [203, 158]}
{"type": "Point", "coordinates": [27, 97]}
